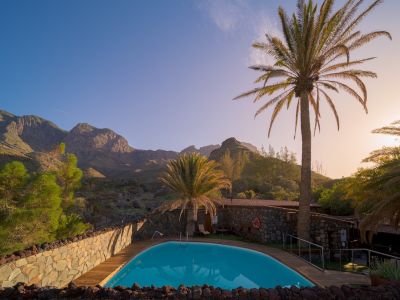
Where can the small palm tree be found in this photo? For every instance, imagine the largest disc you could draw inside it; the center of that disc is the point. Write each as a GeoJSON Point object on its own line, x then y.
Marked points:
{"type": "Point", "coordinates": [312, 60]}
{"type": "Point", "coordinates": [380, 186]}
{"type": "Point", "coordinates": [197, 182]}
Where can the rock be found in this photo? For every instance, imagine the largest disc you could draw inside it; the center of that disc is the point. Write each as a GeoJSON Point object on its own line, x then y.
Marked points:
{"type": "Point", "coordinates": [337, 292]}
{"type": "Point", "coordinates": [167, 289]}
{"type": "Point", "coordinates": [273, 294]}
{"type": "Point", "coordinates": [206, 292]}
{"type": "Point", "coordinates": [135, 287]}
{"type": "Point", "coordinates": [196, 292]}
{"type": "Point", "coordinates": [309, 294]}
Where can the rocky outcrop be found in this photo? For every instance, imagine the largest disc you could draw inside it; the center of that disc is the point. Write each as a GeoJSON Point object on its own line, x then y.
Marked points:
{"type": "Point", "coordinates": [234, 147]}
{"type": "Point", "coordinates": [72, 291]}
{"type": "Point", "coordinates": [84, 138]}
{"type": "Point", "coordinates": [205, 150]}
{"type": "Point", "coordinates": [25, 134]}
{"type": "Point", "coordinates": [32, 139]}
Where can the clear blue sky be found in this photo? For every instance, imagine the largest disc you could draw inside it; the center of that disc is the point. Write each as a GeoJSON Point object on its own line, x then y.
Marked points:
{"type": "Point", "coordinates": [163, 73]}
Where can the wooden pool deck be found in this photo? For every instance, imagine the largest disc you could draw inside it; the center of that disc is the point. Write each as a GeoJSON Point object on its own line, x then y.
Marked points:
{"type": "Point", "coordinates": [104, 271]}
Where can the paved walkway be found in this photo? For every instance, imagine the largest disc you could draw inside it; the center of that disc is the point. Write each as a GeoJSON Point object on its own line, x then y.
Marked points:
{"type": "Point", "coordinates": [104, 271]}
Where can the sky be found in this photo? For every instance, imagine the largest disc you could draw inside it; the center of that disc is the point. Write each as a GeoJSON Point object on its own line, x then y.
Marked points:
{"type": "Point", "coordinates": [163, 74]}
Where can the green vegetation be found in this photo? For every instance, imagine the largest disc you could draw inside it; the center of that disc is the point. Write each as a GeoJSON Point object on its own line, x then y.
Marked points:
{"type": "Point", "coordinates": [38, 207]}
{"type": "Point", "coordinates": [336, 201]}
{"type": "Point", "coordinates": [386, 269]}
{"type": "Point", "coordinates": [232, 165]}
{"type": "Point", "coordinates": [377, 189]}
{"type": "Point", "coordinates": [312, 59]}
{"type": "Point", "coordinates": [196, 183]}
{"type": "Point", "coordinates": [374, 192]}
{"type": "Point", "coordinates": [263, 175]}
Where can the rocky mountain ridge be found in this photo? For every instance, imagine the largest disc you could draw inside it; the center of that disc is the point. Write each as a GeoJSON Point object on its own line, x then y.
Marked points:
{"type": "Point", "coordinates": [100, 150]}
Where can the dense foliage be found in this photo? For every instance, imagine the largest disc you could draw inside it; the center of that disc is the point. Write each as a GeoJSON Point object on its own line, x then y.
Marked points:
{"type": "Point", "coordinates": [38, 207]}
{"type": "Point", "coordinates": [272, 175]}
{"type": "Point", "coordinates": [336, 200]}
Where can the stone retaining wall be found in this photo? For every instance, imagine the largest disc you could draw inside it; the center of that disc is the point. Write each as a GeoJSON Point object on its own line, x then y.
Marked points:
{"type": "Point", "coordinates": [58, 266]}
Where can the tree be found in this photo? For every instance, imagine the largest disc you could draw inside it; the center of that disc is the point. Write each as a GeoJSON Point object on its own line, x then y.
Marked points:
{"type": "Point", "coordinates": [233, 166]}
{"type": "Point", "coordinates": [31, 209]}
{"type": "Point", "coordinates": [313, 58]}
{"type": "Point", "coordinates": [13, 178]}
{"type": "Point", "coordinates": [335, 201]}
{"type": "Point", "coordinates": [196, 182]}
{"type": "Point", "coordinates": [378, 188]}
{"type": "Point", "coordinates": [35, 214]}
{"type": "Point", "coordinates": [69, 177]}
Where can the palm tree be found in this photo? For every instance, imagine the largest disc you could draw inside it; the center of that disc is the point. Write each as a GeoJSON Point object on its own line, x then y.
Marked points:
{"type": "Point", "coordinates": [233, 166]}
{"type": "Point", "coordinates": [313, 58]}
{"type": "Point", "coordinates": [197, 182]}
{"type": "Point", "coordinates": [380, 186]}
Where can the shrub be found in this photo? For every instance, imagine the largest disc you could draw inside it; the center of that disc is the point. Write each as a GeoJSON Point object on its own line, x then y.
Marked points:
{"type": "Point", "coordinates": [241, 195]}
{"type": "Point", "coordinates": [335, 201]}
{"type": "Point", "coordinates": [386, 269]}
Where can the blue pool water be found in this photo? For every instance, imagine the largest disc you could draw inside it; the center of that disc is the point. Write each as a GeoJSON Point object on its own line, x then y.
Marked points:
{"type": "Point", "coordinates": [175, 263]}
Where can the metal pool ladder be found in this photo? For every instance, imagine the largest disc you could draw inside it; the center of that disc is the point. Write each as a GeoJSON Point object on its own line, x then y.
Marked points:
{"type": "Point", "coordinates": [180, 237]}
{"type": "Point", "coordinates": [157, 232]}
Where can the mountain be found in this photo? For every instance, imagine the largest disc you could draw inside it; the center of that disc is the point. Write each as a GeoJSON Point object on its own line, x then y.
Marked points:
{"type": "Point", "coordinates": [104, 153]}
{"type": "Point", "coordinates": [22, 135]}
{"type": "Point", "coordinates": [234, 147]}
{"type": "Point", "coordinates": [32, 139]}
{"type": "Point", "coordinates": [268, 177]}
{"type": "Point", "coordinates": [84, 138]}
{"type": "Point", "coordinates": [205, 150]}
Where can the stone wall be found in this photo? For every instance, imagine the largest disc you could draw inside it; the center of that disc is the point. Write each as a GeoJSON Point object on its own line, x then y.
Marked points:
{"type": "Point", "coordinates": [21, 291]}
{"type": "Point", "coordinates": [58, 266]}
{"type": "Point", "coordinates": [276, 221]}
{"type": "Point", "coordinates": [168, 224]}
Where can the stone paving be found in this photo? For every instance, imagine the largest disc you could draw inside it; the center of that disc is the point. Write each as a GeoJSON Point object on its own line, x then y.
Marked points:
{"type": "Point", "coordinates": [104, 271]}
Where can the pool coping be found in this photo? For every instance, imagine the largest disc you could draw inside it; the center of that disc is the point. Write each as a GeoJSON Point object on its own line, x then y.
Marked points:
{"type": "Point", "coordinates": [105, 270]}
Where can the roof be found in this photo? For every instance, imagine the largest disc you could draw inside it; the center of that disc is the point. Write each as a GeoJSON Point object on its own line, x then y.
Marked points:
{"type": "Point", "coordinates": [263, 203]}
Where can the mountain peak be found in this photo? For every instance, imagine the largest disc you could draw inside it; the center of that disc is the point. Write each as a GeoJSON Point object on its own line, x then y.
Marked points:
{"type": "Point", "coordinates": [83, 127]}
{"type": "Point", "coordinates": [5, 114]}
{"type": "Point", "coordinates": [234, 146]}
{"type": "Point", "coordinates": [205, 150]}
{"type": "Point", "coordinates": [85, 138]}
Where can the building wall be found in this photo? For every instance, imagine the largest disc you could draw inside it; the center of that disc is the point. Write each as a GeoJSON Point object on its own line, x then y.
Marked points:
{"type": "Point", "coordinates": [168, 224]}
{"type": "Point", "coordinates": [58, 266]}
{"type": "Point", "coordinates": [276, 221]}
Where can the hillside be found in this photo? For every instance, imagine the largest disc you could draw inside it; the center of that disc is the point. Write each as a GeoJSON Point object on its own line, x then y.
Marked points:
{"type": "Point", "coordinates": [31, 139]}
{"type": "Point", "coordinates": [102, 153]}
{"type": "Point", "coordinates": [268, 177]}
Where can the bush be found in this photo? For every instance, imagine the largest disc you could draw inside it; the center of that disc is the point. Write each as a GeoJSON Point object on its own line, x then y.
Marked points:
{"type": "Point", "coordinates": [335, 201]}
{"type": "Point", "coordinates": [250, 194]}
{"type": "Point", "coordinates": [71, 225]}
{"type": "Point", "coordinates": [386, 269]}
{"type": "Point", "coordinates": [241, 195]}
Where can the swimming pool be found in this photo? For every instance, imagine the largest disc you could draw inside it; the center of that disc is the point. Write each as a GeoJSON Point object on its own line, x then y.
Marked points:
{"type": "Point", "coordinates": [190, 263]}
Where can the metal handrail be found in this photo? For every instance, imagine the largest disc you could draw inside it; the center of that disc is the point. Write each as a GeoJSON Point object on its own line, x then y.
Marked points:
{"type": "Point", "coordinates": [369, 251]}
{"type": "Point", "coordinates": [309, 250]}
{"type": "Point", "coordinates": [374, 251]}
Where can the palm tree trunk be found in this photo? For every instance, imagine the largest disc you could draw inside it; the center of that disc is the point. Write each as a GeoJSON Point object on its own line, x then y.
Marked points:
{"type": "Point", "coordinates": [190, 222]}
{"type": "Point", "coordinates": [303, 219]}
